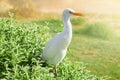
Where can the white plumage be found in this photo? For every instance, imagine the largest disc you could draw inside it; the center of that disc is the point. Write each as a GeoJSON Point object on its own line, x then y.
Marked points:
{"type": "Point", "coordinates": [55, 49]}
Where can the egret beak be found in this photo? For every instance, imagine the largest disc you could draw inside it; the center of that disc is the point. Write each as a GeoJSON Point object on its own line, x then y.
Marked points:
{"type": "Point", "coordinates": [76, 13]}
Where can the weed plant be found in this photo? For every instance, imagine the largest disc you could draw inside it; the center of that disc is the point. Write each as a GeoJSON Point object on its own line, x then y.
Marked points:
{"type": "Point", "coordinates": [21, 45]}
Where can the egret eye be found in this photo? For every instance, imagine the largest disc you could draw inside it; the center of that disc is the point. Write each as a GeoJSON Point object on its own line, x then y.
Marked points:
{"type": "Point", "coordinates": [70, 12]}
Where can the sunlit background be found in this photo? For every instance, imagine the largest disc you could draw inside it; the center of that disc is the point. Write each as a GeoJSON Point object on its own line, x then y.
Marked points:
{"type": "Point", "coordinates": [109, 9]}
{"type": "Point", "coordinates": [93, 6]}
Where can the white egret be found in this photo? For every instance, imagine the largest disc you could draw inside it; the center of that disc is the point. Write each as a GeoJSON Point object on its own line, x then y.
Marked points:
{"type": "Point", "coordinates": [55, 49]}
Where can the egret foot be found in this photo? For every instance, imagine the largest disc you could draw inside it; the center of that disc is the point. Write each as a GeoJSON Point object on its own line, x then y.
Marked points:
{"type": "Point", "coordinates": [55, 71]}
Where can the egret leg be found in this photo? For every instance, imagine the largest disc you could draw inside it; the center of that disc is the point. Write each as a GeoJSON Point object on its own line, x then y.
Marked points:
{"type": "Point", "coordinates": [55, 71]}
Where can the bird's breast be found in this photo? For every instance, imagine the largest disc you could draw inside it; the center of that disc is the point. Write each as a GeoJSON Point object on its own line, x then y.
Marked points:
{"type": "Point", "coordinates": [65, 41]}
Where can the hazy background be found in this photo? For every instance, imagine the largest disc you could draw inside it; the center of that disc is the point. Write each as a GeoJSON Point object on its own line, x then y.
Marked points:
{"type": "Point", "coordinates": [88, 6]}
{"type": "Point", "coordinates": [109, 9]}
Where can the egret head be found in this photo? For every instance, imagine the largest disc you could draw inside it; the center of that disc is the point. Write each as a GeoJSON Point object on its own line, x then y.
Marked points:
{"type": "Point", "coordinates": [70, 12]}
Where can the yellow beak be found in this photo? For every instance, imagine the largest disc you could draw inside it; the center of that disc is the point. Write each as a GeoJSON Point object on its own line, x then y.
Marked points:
{"type": "Point", "coordinates": [77, 14]}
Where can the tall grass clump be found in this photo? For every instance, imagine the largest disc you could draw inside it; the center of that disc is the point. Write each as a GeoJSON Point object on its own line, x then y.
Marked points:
{"type": "Point", "coordinates": [98, 30]}
{"type": "Point", "coordinates": [21, 45]}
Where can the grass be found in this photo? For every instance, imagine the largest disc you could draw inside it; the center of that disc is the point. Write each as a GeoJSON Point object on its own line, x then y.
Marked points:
{"type": "Point", "coordinates": [98, 30]}
{"type": "Point", "coordinates": [95, 44]}
{"type": "Point", "coordinates": [102, 56]}
{"type": "Point", "coordinates": [20, 50]}
{"type": "Point", "coordinates": [98, 46]}
{"type": "Point", "coordinates": [90, 55]}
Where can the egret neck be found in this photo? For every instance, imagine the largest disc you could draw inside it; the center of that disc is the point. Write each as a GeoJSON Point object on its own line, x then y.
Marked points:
{"type": "Point", "coordinates": [67, 26]}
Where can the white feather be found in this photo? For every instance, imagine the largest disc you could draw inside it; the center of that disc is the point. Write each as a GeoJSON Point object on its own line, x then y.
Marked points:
{"type": "Point", "coordinates": [55, 49]}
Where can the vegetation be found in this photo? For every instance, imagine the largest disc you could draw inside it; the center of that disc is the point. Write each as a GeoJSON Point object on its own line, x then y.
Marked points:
{"type": "Point", "coordinates": [21, 45]}
{"type": "Point", "coordinates": [20, 49]}
{"type": "Point", "coordinates": [95, 44]}
{"type": "Point", "coordinates": [23, 42]}
{"type": "Point", "coordinates": [98, 30]}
